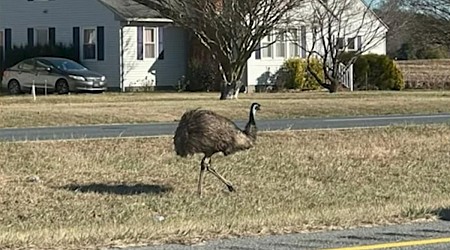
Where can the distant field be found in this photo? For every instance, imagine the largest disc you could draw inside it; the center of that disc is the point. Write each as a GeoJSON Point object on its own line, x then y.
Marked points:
{"type": "Point", "coordinates": [426, 74]}
{"type": "Point", "coordinates": [109, 108]}
{"type": "Point", "coordinates": [87, 194]}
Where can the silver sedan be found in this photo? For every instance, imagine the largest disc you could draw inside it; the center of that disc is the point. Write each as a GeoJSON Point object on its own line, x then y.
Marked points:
{"type": "Point", "coordinates": [54, 74]}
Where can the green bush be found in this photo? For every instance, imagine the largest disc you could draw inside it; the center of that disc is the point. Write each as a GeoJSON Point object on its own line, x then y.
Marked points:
{"type": "Point", "coordinates": [373, 71]}
{"type": "Point", "coordinates": [19, 53]}
{"type": "Point", "coordinates": [293, 74]}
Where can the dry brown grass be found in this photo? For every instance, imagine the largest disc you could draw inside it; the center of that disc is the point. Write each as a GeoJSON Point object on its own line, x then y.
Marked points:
{"type": "Point", "coordinates": [425, 74]}
{"type": "Point", "coordinates": [152, 107]}
{"type": "Point", "coordinates": [108, 192]}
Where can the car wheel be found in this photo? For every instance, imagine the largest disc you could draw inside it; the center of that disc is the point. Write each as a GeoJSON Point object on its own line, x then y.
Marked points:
{"type": "Point", "coordinates": [14, 87]}
{"type": "Point", "coordinates": [62, 87]}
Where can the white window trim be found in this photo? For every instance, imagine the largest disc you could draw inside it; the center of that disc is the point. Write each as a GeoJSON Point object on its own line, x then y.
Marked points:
{"type": "Point", "coordinates": [82, 43]}
{"type": "Point", "coordinates": [36, 35]}
{"type": "Point", "coordinates": [267, 40]}
{"type": "Point", "coordinates": [355, 46]}
{"type": "Point", "coordinates": [293, 40]}
{"type": "Point", "coordinates": [155, 43]}
{"type": "Point", "coordinates": [277, 42]}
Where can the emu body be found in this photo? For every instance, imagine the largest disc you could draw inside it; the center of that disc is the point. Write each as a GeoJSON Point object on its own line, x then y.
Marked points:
{"type": "Point", "coordinates": [208, 133]}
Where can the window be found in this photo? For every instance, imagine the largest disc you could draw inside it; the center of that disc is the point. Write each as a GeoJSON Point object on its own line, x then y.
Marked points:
{"type": "Point", "coordinates": [27, 65]}
{"type": "Point", "coordinates": [280, 44]}
{"type": "Point", "coordinates": [351, 44]}
{"type": "Point", "coordinates": [149, 43]}
{"type": "Point", "coordinates": [293, 36]}
{"type": "Point", "coordinates": [266, 46]}
{"type": "Point", "coordinates": [89, 43]}
{"type": "Point", "coordinates": [41, 36]}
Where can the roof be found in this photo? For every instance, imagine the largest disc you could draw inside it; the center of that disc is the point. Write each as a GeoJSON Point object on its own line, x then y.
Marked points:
{"type": "Point", "coordinates": [131, 10]}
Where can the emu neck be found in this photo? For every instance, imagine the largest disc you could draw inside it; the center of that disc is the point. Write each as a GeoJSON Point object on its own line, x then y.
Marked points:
{"type": "Point", "coordinates": [250, 128]}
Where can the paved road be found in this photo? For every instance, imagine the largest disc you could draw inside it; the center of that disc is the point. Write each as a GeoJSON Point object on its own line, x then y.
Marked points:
{"type": "Point", "coordinates": [431, 235]}
{"type": "Point", "coordinates": [157, 129]}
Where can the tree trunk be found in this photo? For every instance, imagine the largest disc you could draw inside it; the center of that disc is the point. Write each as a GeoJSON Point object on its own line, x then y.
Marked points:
{"type": "Point", "coordinates": [333, 87]}
{"type": "Point", "coordinates": [230, 90]}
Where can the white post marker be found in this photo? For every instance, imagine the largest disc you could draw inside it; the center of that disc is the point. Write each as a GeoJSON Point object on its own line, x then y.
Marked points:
{"type": "Point", "coordinates": [33, 91]}
{"type": "Point", "coordinates": [45, 87]}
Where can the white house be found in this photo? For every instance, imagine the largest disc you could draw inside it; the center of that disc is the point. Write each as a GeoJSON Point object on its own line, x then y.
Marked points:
{"type": "Point", "coordinates": [359, 29]}
{"type": "Point", "coordinates": [131, 44]}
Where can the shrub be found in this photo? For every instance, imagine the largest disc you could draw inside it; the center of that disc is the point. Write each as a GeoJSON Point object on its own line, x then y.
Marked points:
{"type": "Point", "coordinates": [200, 76]}
{"type": "Point", "coordinates": [19, 53]}
{"type": "Point", "coordinates": [293, 74]}
{"type": "Point", "coordinates": [373, 71]}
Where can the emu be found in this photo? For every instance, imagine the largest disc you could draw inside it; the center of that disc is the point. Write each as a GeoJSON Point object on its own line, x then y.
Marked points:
{"type": "Point", "coordinates": [204, 131]}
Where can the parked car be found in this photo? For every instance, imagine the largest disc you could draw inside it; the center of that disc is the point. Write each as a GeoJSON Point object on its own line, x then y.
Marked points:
{"type": "Point", "coordinates": [58, 75]}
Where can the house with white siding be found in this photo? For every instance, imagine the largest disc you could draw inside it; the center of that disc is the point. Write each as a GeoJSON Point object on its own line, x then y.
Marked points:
{"type": "Point", "coordinates": [131, 44]}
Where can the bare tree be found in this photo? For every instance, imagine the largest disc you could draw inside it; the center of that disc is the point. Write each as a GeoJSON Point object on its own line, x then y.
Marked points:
{"type": "Point", "coordinates": [230, 29]}
{"type": "Point", "coordinates": [440, 8]}
{"type": "Point", "coordinates": [337, 26]}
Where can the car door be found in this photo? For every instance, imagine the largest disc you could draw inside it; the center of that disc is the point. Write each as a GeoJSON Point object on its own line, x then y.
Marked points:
{"type": "Point", "coordinates": [25, 73]}
{"type": "Point", "coordinates": [45, 77]}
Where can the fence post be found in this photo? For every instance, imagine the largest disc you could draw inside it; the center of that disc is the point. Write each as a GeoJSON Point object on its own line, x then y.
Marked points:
{"type": "Point", "coordinates": [33, 90]}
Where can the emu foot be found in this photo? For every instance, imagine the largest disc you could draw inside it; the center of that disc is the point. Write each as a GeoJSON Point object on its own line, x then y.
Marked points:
{"type": "Point", "coordinates": [231, 188]}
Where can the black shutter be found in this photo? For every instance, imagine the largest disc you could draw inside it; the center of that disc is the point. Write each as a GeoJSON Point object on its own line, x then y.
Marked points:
{"type": "Point", "coordinates": [8, 41]}
{"type": "Point", "coordinates": [76, 42]}
{"type": "Point", "coordinates": [160, 43]}
{"type": "Point", "coordinates": [100, 43]}
{"type": "Point", "coordinates": [52, 36]}
{"type": "Point", "coordinates": [258, 52]}
{"type": "Point", "coordinates": [140, 43]}
{"type": "Point", "coordinates": [30, 35]}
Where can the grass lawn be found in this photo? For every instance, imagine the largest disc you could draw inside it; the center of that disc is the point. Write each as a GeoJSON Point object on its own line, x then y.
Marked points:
{"type": "Point", "coordinates": [52, 110]}
{"type": "Point", "coordinates": [113, 192]}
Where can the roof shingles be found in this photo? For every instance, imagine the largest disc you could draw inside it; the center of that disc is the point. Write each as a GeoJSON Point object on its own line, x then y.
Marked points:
{"type": "Point", "coordinates": [129, 9]}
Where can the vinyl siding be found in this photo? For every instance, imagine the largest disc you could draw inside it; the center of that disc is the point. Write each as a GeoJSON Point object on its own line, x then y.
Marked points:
{"type": "Point", "coordinates": [152, 71]}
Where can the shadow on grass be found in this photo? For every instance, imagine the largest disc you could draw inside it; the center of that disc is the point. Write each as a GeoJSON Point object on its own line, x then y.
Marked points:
{"type": "Point", "coordinates": [442, 214]}
{"type": "Point", "coordinates": [119, 189]}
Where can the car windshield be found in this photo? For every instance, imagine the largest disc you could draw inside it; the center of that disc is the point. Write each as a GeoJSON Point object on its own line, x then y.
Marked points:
{"type": "Point", "coordinates": [67, 65]}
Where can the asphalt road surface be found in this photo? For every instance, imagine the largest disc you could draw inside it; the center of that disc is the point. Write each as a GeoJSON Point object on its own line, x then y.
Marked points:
{"type": "Point", "coordinates": [159, 129]}
{"type": "Point", "coordinates": [430, 235]}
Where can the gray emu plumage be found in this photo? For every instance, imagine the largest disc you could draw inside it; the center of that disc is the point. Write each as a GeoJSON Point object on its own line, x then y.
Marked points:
{"type": "Point", "coordinates": [204, 131]}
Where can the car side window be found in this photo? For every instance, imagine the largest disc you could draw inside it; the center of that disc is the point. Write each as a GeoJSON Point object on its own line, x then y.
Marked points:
{"type": "Point", "coordinates": [27, 65]}
{"type": "Point", "coordinates": [40, 65]}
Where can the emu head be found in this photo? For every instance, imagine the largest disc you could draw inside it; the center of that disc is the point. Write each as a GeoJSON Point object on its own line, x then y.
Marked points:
{"type": "Point", "coordinates": [255, 107]}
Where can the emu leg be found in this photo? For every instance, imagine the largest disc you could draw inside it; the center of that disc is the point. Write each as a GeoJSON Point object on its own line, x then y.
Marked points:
{"type": "Point", "coordinates": [225, 181]}
{"type": "Point", "coordinates": [200, 179]}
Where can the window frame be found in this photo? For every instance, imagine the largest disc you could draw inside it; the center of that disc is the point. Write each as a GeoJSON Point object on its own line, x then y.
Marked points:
{"type": "Point", "coordinates": [83, 44]}
{"type": "Point", "coordinates": [349, 42]}
{"type": "Point", "coordinates": [294, 35]}
{"type": "Point", "coordinates": [154, 43]}
{"type": "Point", "coordinates": [280, 40]}
{"type": "Point", "coordinates": [36, 36]}
{"type": "Point", "coordinates": [267, 46]}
